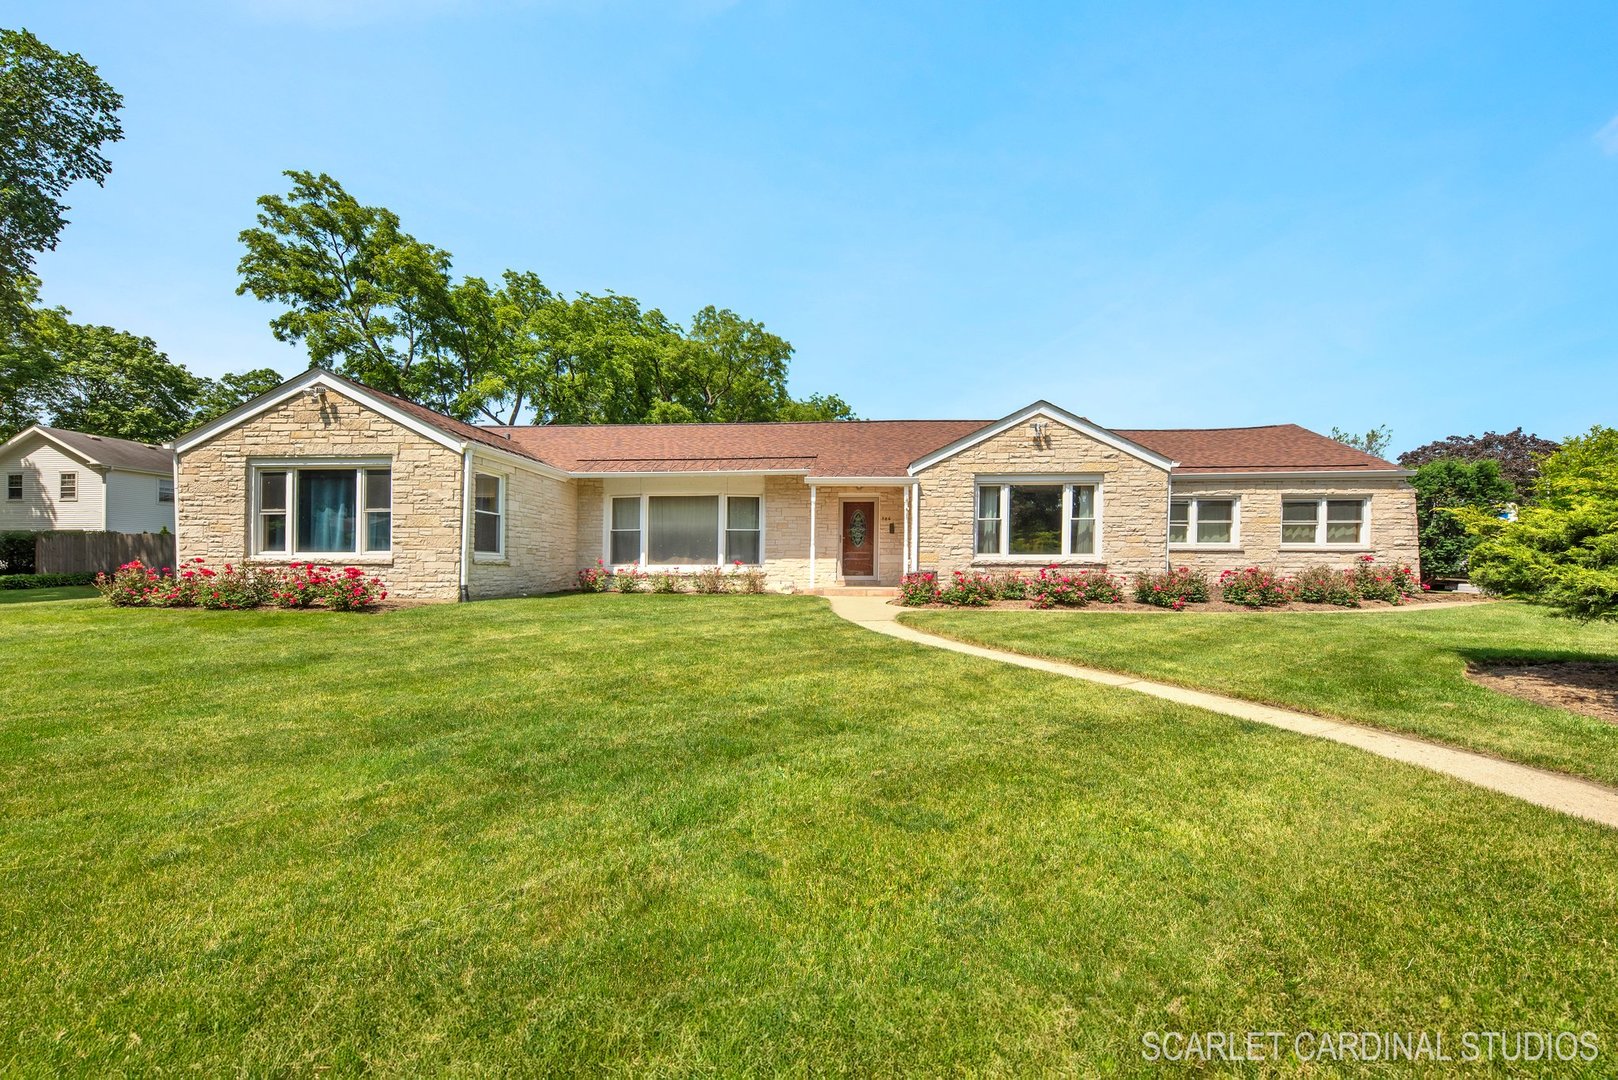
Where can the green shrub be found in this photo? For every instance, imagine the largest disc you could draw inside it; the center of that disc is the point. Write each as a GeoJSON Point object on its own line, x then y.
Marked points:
{"type": "Point", "coordinates": [1009, 586]}
{"type": "Point", "coordinates": [1323, 585]}
{"type": "Point", "coordinates": [1254, 588]}
{"type": "Point", "coordinates": [1442, 487]}
{"type": "Point", "coordinates": [17, 552]}
{"type": "Point", "coordinates": [967, 590]}
{"type": "Point", "coordinates": [628, 581]}
{"type": "Point", "coordinates": [750, 580]}
{"type": "Point", "coordinates": [1172, 588]}
{"type": "Point", "coordinates": [666, 582]}
{"type": "Point", "coordinates": [1393, 584]}
{"type": "Point", "coordinates": [44, 581]}
{"type": "Point", "coordinates": [919, 589]}
{"type": "Point", "coordinates": [710, 580]}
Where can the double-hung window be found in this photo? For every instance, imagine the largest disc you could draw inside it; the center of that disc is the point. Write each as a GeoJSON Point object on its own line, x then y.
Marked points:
{"type": "Point", "coordinates": [322, 510]}
{"type": "Point", "coordinates": [1320, 522]}
{"type": "Point", "coordinates": [1037, 519]}
{"type": "Point", "coordinates": [488, 513]}
{"type": "Point", "coordinates": [165, 491]}
{"type": "Point", "coordinates": [1202, 521]}
{"type": "Point", "coordinates": [69, 488]}
{"type": "Point", "coordinates": [685, 530]}
{"type": "Point", "coordinates": [14, 486]}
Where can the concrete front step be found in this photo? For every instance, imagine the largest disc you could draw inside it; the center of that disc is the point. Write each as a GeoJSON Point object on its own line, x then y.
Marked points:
{"type": "Point", "coordinates": [855, 590]}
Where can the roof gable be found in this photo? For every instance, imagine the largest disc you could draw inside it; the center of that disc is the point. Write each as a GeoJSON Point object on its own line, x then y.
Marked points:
{"type": "Point", "coordinates": [1050, 412]}
{"type": "Point", "coordinates": [100, 451]}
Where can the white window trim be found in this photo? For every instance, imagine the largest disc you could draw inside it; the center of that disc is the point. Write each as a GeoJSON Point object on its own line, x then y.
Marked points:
{"type": "Point", "coordinates": [170, 500]}
{"type": "Point", "coordinates": [1190, 543]}
{"type": "Point", "coordinates": [290, 466]}
{"type": "Point", "coordinates": [61, 484]}
{"type": "Point", "coordinates": [723, 518]}
{"type": "Point", "coordinates": [22, 487]}
{"type": "Point", "coordinates": [1320, 544]}
{"type": "Point", "coordinates": [1067, 484]}
{"type": "Point", "coordinates": [499, 554]}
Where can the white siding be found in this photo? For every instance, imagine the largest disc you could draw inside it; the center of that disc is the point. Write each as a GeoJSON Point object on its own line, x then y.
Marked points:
{"type": "Point", "coordinates": [132, 505]}
{"type": "Point", "coordinates": [42, 465]}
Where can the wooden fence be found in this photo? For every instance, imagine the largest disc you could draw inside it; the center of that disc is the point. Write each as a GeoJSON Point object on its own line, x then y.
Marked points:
{"type": "Point", "coordinates": [87, 552]}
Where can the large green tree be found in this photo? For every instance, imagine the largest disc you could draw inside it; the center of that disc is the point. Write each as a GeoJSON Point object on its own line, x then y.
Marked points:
{"type": "Point", "coordinates": [56, 114]}
{"type": "Point", "coordinates": [371, 300]}
{"type": "Point", "coordinates": [1442, 487]}
{"type": "Point", "coordinates": [1518, 455]}
{"type": "Point", "coordinates": [216, 397]}
{"type": "Point", "coordinates": [1562, 550]}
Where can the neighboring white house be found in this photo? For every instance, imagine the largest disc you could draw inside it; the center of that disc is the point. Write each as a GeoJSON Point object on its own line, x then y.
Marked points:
{"type": "Point", "coordinates": [60, 479]}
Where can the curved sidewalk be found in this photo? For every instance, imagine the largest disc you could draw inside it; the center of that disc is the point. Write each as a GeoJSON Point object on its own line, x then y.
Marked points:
{"type": "Point", "coordinates": [1565, 794]}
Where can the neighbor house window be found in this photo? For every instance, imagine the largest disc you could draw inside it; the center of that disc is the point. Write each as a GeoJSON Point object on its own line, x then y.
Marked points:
{"type": "Point", "coordinates": [625, 547]}
{"type": "Point", "coordinates": [165, 491]}
{"type": "Point", "coordinates": [323, 510]}
{"type": "Point", "coordinates": [488, 510]}
{"type": "Point", "coordinates": [70, 486]}
{"type": "Point", "coordinates": [1323, 522]}
{"type": "Point", "coordinates": [14, 486]}
{"type": "Point", "coordinates": [685, 530]}
{"type": "Point", "coordinates": [1202, 521]}
{"type": "Point", "coordinates": [1036, 520]}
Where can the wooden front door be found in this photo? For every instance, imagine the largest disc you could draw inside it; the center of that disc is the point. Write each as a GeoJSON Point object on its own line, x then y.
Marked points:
{"type": "Point", "coordinates": [859, 539]}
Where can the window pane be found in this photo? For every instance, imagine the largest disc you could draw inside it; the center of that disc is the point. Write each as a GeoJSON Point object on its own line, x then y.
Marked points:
{"type": "Point", "coordinates": [989, 537]}
{"type": "Point", "coordinates": [1343, 510]}
{"type": "Point", "coordinates": [988, 502]}
{"type": "Point", "coordinates": [625, 545]}
{"type": "Point", "coordinates": [14, 486]}
{"type": "Point", "coordinates": [1298, 534]}
{"type": "Point", "coordinates": [1300, 511]}
{"type": "Point", "coordinates": [626, 513]}
{"type": "Point", "coordinates": [378, 530]}
{"type": "Point", "coordinates": [1215, 509]}
{"type": "Point", "coordinates": [486, 493]}
{"type": "Point", "coordinates": [273, 532]}
{"type": "Point", "coordinates": [1084, 501]}
{"type": "Point", "coordinates": [378, 489]}
{"type": "Point", "coordinates": [1035, 514]}
{"type": "Point", "coordinates": [1083, 541]}
{"type": "Point", "coordinates": [70, 485]}
{"type": "Point", "coordinates": [742, 512]}
{"type": "Point", "coordinates": [486, 533]}
{"type": "Point", "coordinates": [1178, 532]}
{"type": "Point", "coordinates": [742, 544]}
{"type": "Point", "coordinates": [1180, 512]}
{"type": "Point", "coordinates": [1342, 532]}
{"type": "Point", "coordinates": [272, 491]}
{"type": "Point", "coordinates": [684, 529]}
{"type": "Point", "coordinates": [325, 509]}
{"type": "Point", "coordinates": [1213, 532]}
{"type": "Point", "coordinates": [165, 491]}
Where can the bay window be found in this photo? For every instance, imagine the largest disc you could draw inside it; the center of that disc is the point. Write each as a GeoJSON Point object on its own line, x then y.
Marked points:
{"type": "Point", "coordinates": [685, 530]}
{"type": "Point", "coordinates": [1322, 522]}
{"type": "Point", "coordinates": [1202, 521]}
{"type": "Point", "coordinates": [322, 510]}
{"type": "Point", "coordinates": [1037, 519]}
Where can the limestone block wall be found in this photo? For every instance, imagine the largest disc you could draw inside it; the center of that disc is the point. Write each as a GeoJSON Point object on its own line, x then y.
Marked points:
{"type": "Point", "coordinates": [1134, 501]}
{"type": "Point", "coordinates": [1391, 536]}
{"type": "Point", "coordinates": [541, 535]}
{"type": "Point", "coordinates": [212, 503]}
{"type": "Point", "coordinates": [786, 538]}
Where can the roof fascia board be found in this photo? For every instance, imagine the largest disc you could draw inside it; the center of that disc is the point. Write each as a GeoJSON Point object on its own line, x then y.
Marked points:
{"type": "Point", "coordinates": [691, 472]}
{"type": "Point", "coordinates": [1050, 412]}
{"type": "Point", "coordinates": [531, 464]}
{"type": "Point", "coordinates": [861, 481]}
{"type": "Point", "coordinates": [1301, 474]}
{"type": "Point", "coordinates": [66, 448]}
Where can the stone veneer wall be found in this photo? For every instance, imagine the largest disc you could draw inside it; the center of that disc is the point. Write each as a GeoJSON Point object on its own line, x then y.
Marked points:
{"type": "Point", "coordinates": [541, 542]}
{"type": "Point", "coordinates": [1392, 526]}
{"type": "Point", "coordinates": [1134, 501]}
{"type": "Point", "coordinates": [786, 532]}
{"type": "Point", "coordinates": [212, 504]}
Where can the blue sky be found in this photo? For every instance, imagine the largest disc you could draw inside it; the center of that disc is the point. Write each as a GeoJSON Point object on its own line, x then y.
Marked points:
{"type": "Point", "coordinates": [1157, 216]}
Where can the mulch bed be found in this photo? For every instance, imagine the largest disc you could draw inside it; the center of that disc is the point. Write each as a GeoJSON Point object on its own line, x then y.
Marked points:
{"type": "Point", "coordinates": [1589, 687]}
{"type": "Point", "coordinates": [1218, 606]}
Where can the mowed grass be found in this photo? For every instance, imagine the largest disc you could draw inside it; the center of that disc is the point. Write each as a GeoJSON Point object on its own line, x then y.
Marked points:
{"type": "Point", "coordinates": [689, 834]}
{"type": "Point", "coordinates": [1401, 670]}
{"type": "Point", "coordinates": [40, 596]}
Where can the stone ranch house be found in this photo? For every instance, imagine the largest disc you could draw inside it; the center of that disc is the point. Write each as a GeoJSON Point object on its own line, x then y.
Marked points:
{"type": "Point", "coordinates": [327, 470]}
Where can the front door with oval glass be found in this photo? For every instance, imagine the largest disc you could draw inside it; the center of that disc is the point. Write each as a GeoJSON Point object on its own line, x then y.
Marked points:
{"type": "Point", "coordinates": [859, 539]}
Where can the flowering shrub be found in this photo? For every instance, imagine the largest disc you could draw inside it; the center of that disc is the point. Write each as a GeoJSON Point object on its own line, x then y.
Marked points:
{"type": "Point", "coordinates": [666, 582]}
{"type": "Point", "coordinates": [1100, 587]}
{"type": "Point", "coordinates": [748, 579]}
{"type": "Point", "coordinates": [1254, 588]}
{"type": "Point", "coordinates": [918, 589]}
{"type": "Point", "coordinates": [1323, 585]}
{"type": "Point", "coordinates": [710, 579]}
{"type": "Point", "coordinates": [631, 580]}
{"type": "Point", "coordinates": [1395, 584]}
{"type": "Point", "coordinates": [1012, 586]}
{"type": "Point", "coordinates": [237, 588]}
{"type": "Point", "coordinates": [595, 578]}
{"type": "Point", "coordinates": [967, 590]}
{"type": "Point", "coordinates": [1055, 587]}
{"type": "Point", "coordinates": [1172, 588]}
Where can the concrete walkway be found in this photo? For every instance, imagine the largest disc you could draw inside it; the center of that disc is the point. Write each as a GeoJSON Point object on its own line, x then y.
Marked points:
{"type": "Point", "coordinates": [1566, 794]}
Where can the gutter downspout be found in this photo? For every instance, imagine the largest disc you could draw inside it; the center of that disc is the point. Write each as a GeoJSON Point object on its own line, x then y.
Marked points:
{"type": "Point", "coordinates": [466, 502]}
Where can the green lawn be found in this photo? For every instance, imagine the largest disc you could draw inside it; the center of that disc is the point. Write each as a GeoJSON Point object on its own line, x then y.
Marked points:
{"type": "Point", "coordinates": [688, 834]}
{"type": "Point", "coordinates": [36, 596]}
{"type": "Point", "coordinates": [1402, 670]}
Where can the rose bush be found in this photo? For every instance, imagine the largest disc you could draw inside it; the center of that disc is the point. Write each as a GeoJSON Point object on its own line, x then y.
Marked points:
{"type": "Point", "coordinates": [238, 588]}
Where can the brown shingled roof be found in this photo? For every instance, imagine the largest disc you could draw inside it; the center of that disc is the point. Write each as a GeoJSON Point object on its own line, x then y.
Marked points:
{"type": "Point", "coordinates": [122, 454]}
{"type": "Point", "coordinates": [1271, 448]}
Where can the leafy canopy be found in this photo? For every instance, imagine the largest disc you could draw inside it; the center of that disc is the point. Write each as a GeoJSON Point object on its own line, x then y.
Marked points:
{"type": "Point", "coordinates": [56, 113]}
{"type": "Point", "coordinates": [1517, 454]}
{"type": "Point", "coordinates": [1442, 487]}
{"type": "Point", "coordinates": [1561, 551]}
{"type": "Point", "coordinates": [369, 299]}
{"type": "Point", "coordinates": [1373, 442]}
